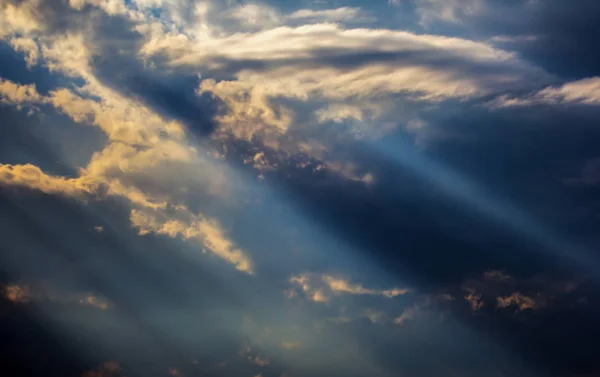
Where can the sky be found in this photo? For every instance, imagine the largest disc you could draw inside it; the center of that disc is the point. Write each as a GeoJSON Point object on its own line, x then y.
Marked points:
{"type": "Point", "coordinates": [307, 188]}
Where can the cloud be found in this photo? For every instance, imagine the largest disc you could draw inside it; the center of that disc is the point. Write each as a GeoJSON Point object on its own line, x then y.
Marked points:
{"type": "Point", "coordinates": [374, 316]}
{"type": "Point", "coordinates": [328, 15]}
{"type": "Point", "coordinates": [497, 276]}
{"type": "Point", "coordinates": [111, 7]}
{"type": "Point", "coordinates": [17, 293]}
{"type": "Point", "coordinates": [132, 172]}
{"type": "Point", "coordinates": [340, 286]}
{"type": "Point", "coordinates": [28, 47]}
{"type": "Point", "coordinates": [17, 94]}
{"type": "Point", "coordinates": [147, 160]}
{"type": "Point", "coordinates": [42, 292]}
{"type": "Point", "coordinates": [406, 315]}
{"type": "Point", "coordinates": [355, 73]}
{"type": "Point", "coordinates": [583, 92]}
{"type": "Point", "coordinates": [474, 299]}
{"type": "Point", "coordinates": [254, 15]}
{"type": "Point", "coordinates": [18, 18]}
{"type": "Point", "coordinates": [290, 345]}
{"type": "Point", "coordinates": [192, 227]}
{"type": "Point", "coordinates": [108, 369]}
{"type": "Point", "coordinates": [519, 301]}
{"type": "Point", "coordinates": [32, 177]}
{"type": "Point", "coordinates": [322, 287]}
{"type": "Point", "coordinates": [260, 362]}
{"type": "Point", "coordinates": [497, 289]}
{"type": "Point", "coordinates": [447, 11]}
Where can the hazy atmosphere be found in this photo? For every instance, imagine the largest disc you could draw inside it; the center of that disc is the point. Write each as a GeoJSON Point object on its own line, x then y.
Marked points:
{"type": "Point", "coordinates": [307, 188]}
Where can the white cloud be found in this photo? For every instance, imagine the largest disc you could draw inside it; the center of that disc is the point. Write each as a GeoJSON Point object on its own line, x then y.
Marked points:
{"type": "Point", "coordinates": [328, 15]}
{"type": "Point", "coordinates": [255, 16]}
{"type": "Point", "coordinates": [449, 11]}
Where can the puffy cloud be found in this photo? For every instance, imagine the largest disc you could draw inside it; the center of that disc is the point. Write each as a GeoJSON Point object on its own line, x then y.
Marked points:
{"type": "Point", "coordinates": [18, 17]}
{"type": "Point", "coordinates": [17, 94]}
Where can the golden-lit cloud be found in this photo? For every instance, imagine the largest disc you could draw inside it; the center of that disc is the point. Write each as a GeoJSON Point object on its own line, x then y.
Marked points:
{"type": "Point", "coordinates": [40, 292]}
{"type": "Point", "coordinates": [339, 286]}
{"type": "Point", "coordinates": [500, 290]}
{"type": "Point", "coordinates": [17, 293]}
{"type": "Point", "coordinates": [406, 315]}
{"type": "Point", "coordinates": [28, 47]}
{"type": "Point", "coordinates": [322, 287]}
{"type": "Point", "coordinates": [147, 159]}
{"type": "Point", "coordinates": [32, 177]}
{"type": "Point", "coordinates": [299, 65]}
{"type": "Point", "coordinates": [192, 227]}
{"type": "Point", "coordinates": [18, 17]}
{"type": "Point", "coordinates": [519, 301]}
{"type": "Point", "coordinates": [18, 95]}
{"type": "Point", "coordinates": [474, 299]}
